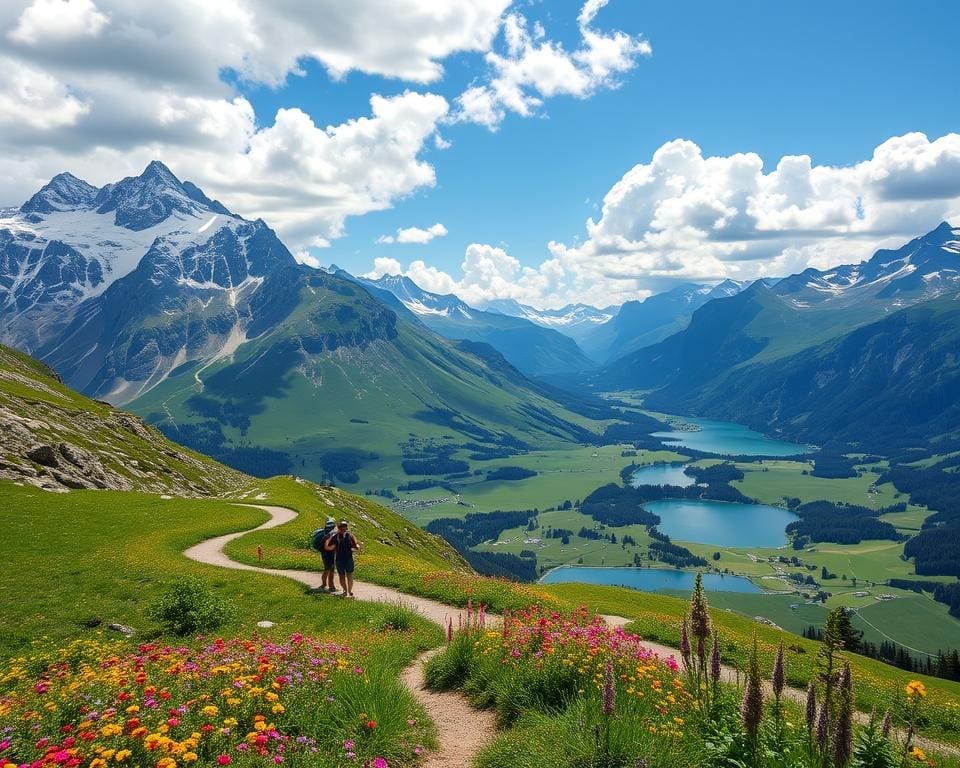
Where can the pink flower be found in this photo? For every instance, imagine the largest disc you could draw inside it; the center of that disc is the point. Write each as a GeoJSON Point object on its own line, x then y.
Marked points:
{"type": "Point", "coordinates": [348, 745]}
{"type": "Point", "coordinates": [224, 759]}
{"type": "Point", "coordinates": [379, 762]}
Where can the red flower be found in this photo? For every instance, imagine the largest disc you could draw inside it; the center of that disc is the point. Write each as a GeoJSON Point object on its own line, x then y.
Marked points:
{"type": "Point", "coordinates": [371, 724]}
{"type": "Point", "coordinates": [224, 760]}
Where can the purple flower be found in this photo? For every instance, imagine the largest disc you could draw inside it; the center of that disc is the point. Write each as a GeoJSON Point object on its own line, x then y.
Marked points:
{"type": "Point", "coordinates": [811, 711]}
{"type": "Point", "coordinates": [778, 678]}
{"type": "Point", "coordinates": [843, 737]}
{"type": "Point", "coordinates": [751, 707]}
{"type": "Point", "coordinates": [684, 642]}
{"type": "Point", "coordinates": [887, 724]}
{"type": "Point", "coordinates": [699, 611]}
{"type": "Point", "coordinates": [715, 659]}
{"type": "Point", "coordinates": [609, 690]}
{"type": "Point", "coordinates": [822, 725]}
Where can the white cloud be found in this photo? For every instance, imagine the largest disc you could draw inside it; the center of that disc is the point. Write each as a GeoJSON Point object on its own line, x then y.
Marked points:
{"type": "Point", "coordinates": [32, 100]}
{"type": "Point", "coordinates": [53, 21]}
{"type": "Point", "coordinates": [383, 266]}
{"type": "Point", "coordinates": [533, 68]}
{"type": "Point", "coordinates": [682, 216]}
{"type": "Point", "coordinates": [414, 235]}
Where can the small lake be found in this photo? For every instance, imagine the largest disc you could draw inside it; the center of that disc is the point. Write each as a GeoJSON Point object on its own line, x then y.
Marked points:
{"type": "Point", "coordinates": [729, 439]}
{"type": "Point", "coordinates": [661, 474]}
{"type": "Point", "coordinates": [726, 524]}
{"type": "Point", "coordinates": [648, 579]}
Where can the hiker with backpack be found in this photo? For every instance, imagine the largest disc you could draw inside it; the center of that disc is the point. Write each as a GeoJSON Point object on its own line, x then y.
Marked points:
{"type": "Point", "coordinates": [343, 544]}
{"type": "Point", "coordinates": [318, 542]}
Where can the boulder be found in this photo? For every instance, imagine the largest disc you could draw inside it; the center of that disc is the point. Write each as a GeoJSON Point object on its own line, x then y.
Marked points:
{"type": "Point", "coordinates": [43, 454]}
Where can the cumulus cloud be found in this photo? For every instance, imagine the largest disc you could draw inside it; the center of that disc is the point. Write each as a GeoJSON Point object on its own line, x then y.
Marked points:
{"type": "Point", "coordinates": [681, 216]}
{"type": "Point", "coordinates": [101, 87]}
{"type": "Point", "coordinates": [533, 68]}
{"type": "Point", "coordinates": [53, 21]}
{"type": "Point", "coordinates": [414, 235]}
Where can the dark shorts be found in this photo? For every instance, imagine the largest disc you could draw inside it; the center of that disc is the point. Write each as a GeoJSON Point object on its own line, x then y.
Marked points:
{"type": "Point", "coordinates": [328, 560]}
{"type": "Point", "coordinates": [345, 566]}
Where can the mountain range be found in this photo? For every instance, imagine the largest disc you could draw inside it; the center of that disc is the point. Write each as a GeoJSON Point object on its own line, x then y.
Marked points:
{"type": "Point", "coordinates": [535, 349]}
{"type": "Point", "coordinates": [146, 292]}
{"type": "Point", "coordinates": [862, 352]}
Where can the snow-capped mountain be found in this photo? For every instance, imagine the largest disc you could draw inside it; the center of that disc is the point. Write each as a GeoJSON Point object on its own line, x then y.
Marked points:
{"type": "Point", "coordinates": [117, 286]}
{"type": "Point", "coordinates": [573, 320]}
{"type": "Point", "coordinates": [923, 269]}
{"type": "Point", "coordinates": [419, 301]}
{"type": "Point", "coordinates": [71, 241]}
{"type": "Point", "coordinates": [533, 349]}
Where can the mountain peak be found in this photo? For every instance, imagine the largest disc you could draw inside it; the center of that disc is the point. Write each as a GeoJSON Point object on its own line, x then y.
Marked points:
{"type": "Point", "coordinates": [64, 192]}
{"type": "Point", "coordinates": [157, 170]}
{"type": "Point", "coordinates": [143, 201]}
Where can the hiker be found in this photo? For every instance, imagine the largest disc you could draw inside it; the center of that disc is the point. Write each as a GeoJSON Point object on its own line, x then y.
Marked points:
{"type": "Point", "coordinates": [343, 544]}
{"type": "Point", "coordinates": [320, 537]}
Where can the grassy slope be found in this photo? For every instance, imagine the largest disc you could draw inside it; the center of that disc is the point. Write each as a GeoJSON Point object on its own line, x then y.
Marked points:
{"type": "Point", "coordinates": [101, 556]}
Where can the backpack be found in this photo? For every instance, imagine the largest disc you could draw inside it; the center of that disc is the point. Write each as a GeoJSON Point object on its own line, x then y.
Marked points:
{"type": "Point", "coordinates": [318, 538]}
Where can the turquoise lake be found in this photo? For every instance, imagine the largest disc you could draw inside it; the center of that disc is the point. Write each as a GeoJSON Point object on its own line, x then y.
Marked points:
{"type": "Point", "coordinates": [725, 524]}
{"type": "Point", "coordinates": [661, 474]}
{"type": "Point", "coordinates": [648, 579]}
{"type": "Point", "coordinates": [729, 439]}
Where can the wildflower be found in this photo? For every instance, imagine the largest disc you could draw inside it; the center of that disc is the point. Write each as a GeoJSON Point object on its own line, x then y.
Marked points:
{"type": "Point", "coordinates": [822, 725]}
{"type": "Point", "coordinates": [918, 754]}
{"type": "Point", "coordinates": [224, 759]}
{"type": "Point", "coordinates": [348, 745]}
{"type": "Point", "coordinates": [715, 659]}
{"type": "Point", "coordinates": [778, 678]}
{"type": "Point", "coordinates": [371, 724]}
{"type": "Point", "coordinates": [684, 643]}
{"type": "Point", "coordinates": [916, 688]}
{"type": "Point", "coordinates": [843, 736]}
{"type": "Point", "coordinates": [609, 690]}
{"type": "Point", "coordinates": [699, 611]}
{"type": "Point", "coordinates": [811, 711]}
{"type": "Point", "coordinates": [887, 724]}
{"type": "Point", "coordinates": [379, 762]}
{"type": "Point", "coordinates": [751, 708]}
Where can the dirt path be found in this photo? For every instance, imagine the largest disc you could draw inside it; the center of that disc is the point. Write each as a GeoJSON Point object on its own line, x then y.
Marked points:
{"type": "Point", "coordinates": [462, 729]}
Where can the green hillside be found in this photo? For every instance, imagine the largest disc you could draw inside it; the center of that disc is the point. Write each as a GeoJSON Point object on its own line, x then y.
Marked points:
{"type": "Point", "coordinates": [342, 382]}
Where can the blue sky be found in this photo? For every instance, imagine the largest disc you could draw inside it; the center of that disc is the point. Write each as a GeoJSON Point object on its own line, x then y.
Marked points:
{"type": "Point", "coordinates": [832, 80]}
{"type": "Point", "coordinates": [570, 150]}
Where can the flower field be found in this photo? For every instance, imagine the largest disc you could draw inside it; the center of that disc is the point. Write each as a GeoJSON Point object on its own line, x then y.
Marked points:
{"type": "Point", "coordinates": [240, 702]}
{"type": "Point", "coordinates": [573, 688]}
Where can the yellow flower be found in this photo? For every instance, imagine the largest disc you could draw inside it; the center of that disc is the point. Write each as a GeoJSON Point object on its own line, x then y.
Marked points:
{"type": "Point", "coordinates": [111, 730]}
{"type": "Point", "coordinates": [918, 754]}
{"type": "Point", "coordinates": [916, 688]}
{"type": "Point", "coordinates": [122, 755]}
{"type": "Point", "coordinates": [271, 696]}
{"type": "Point", "coordinates": [190, 757]}
{"type": "Point", "coordinates": [210, 711]}
{"type": "Point", "coordinates": [278, 709]}
{"type": "Point", "coordinates": [98, 762]}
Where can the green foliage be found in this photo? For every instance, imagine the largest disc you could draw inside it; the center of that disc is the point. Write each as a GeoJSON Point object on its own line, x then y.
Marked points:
{"type": "Point", "coordinates": [189, 606]}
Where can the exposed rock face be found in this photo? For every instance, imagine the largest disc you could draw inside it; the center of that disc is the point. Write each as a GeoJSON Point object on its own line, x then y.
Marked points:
{"type": "Point", "coordinates": [56, 441]}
